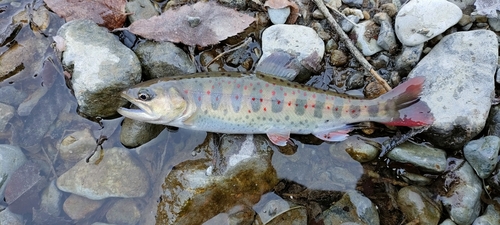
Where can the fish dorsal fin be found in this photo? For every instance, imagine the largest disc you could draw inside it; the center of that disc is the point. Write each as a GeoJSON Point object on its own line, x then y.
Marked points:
{"type": "Point", "coordinates": [279, 64]}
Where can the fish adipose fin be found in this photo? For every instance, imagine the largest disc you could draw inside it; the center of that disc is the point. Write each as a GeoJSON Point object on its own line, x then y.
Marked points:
{"type": "Point", "coordinates": [333, 134]}
{"type": "Point", "coordinates": [278, 137]}
{"type": "Point", "coordinates": [407, 108]}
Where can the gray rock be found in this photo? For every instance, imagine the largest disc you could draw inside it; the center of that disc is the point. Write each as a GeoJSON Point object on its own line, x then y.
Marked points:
{"type": "Point", "coordinates": [365, 34]}
{"type": "Point", "coordinates": [494, 23]}
{"type": "Point", "coordinates": [78, 207]}
{"type": "Point", "coordinates": [426, 158]}
{"type": "Point", "coordinates": [10, 218]}
{"type": "Point", "coordinates": [140, 9]}
{"type": "Point", "coordinates": [163, 59]}
{"type": "Point", "coordinates": [308, 47]}
{"type": "Point", "coordinates": [463, 64]}
{"type": "Point", "coordinates": [463, 4]}
{"type": "Point", "coordinates": [462, 199]}
{"type": "Point", "coordinates": [347, 24]}
{"type": "Point", "coordinates": [354, 3]}
{"type": "Point", "coordinates": [482, 155]}
{"type": "Point", "coordinates": [490, 217]}
{"type": "Point", "coordinates": [421, 20]}
{"type": "Point", "coordinates": [416, 204]}
{"type": "Point", "coordinates": [355, 81]}
{"type": "Point", "coordinates": [409, 57]}
{"type": "Point", "coordinates": [6, 113]}
{"type": "Point", "coordinates": [12, 158]}
{"type": "Point", "coordinates": [386, 37]}
{"type": "Point", "coordinates": [77, 145]}
{"type": "Point", "coordinates": [118, 174]}
{"type": "Point", "coordinates": [448, 222]}
{"type": "Point", "coordinates": [51, 200]}
{"type": "Point", "coordinates": [124, 211]}
{"type": "Point", "coordinates": [11, 96]}
{"type": "Point", "coordinates": [135, 133]}
{"type": "Point", "coordinates": [278, 16]}
{"type": "Point", "coordinates": [101, 67]}
{"type": "Point", "coordinates": [353, 207]}
{"type": "Point", "coordinates": [493, 122]}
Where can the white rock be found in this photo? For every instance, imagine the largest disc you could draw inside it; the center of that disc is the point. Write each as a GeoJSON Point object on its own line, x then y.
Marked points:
{"type": "Point", "coordinates": [421, 20]}
{"type": "Point", "coordinates": [367, 43]}
{"type": "Point", "coordinates": [278, 16]}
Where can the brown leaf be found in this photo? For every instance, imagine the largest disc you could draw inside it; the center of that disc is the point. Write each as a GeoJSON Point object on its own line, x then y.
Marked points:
{"type": "Point", "coordinates": [106, 13]}
{"type": "Point", "coordinates": [199, 24]}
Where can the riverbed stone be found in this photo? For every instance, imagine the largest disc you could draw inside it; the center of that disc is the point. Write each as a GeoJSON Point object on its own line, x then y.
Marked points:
{"type": "Point", "coordinates": [491, 215]}
{"type": "Point", "coordinates": [482, 155]}
{"type": "Point", "coordinates": [77, 145]}
{"type": "Point", "coordinates": [416, 204]}
{"type": "Point", "coordinates": [365, 35]}
{"type": "Point", "coordinates": [6, 113]}
{"type": "Point", "coordinates": [12, 158]}
{"type": "Point", "coordinates": [463, 64]}
{"type": "Point", "coordinates": [140, 9]}
{"type": "Point", "coordinates": [78, 207]}
{"type": "Point", "coordinates": [117, 174]}
{"type": "Point", "coordinates": [353, 208]}
{"type": "Point", "coordinates": [421, 20]}
{"type": "Point", "coordinates": [426, 158]}
{"type": "Point", "coordinates": [100, 67]}
{"type": "Point", "coordinates": [124, 211]}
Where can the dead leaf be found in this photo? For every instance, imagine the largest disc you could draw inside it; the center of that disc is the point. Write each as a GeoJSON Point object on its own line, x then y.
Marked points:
{"type": "Point", "coordinates": [200, 24]}
{"type": "Point", "coordinates": [279, 4]}
{"type": "Point", "coordinates": [106, 13]}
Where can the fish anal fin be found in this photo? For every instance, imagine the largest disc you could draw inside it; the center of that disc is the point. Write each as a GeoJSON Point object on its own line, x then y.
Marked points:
{"type": "Point", "coordinates": [333, 134]}
{"type": "Point", "coordinates": [279, 138]}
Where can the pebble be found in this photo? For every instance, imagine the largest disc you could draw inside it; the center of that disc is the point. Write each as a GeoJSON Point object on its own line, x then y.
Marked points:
{"type": "Point", "coordinates": [416, 179]}
{"type": "Point", "coordinates": [409, 57]}
{"type": "Point", "coordinates": [347, 24]}
{"type": "Point", "coordinates": [460, 112]}
{"type": "Point", "coordinates": [358, 149]}
{"type": "Point", "coordinates": [163, 59]}
{"type": "Point", "coordinates": [6, 113]}
{"type": "Point", "coordinates": [10, 218]}
{"type": "Point", "coordinates": [491, 215]}
{"type": "Point", "coordinates": [308, 46]}
{"type": "Point", "coordinates": [140, 9]}
{"type": "Point", "coordinates": [76, 145]}
{"type": "Point", "coordinates": [338, 58]}
{"type": "Point", "coordinates": [354, 208]}
{"type": "Point", "coordinates": [78, 207]}
{"type": "Point", "coordinates": [426, 158]}
{"type": "Point", "coordinates": [102, 67]}
{"type": "Point", "coordinates": [278, 16]}
{"type": "Point", "coordinates": [135, 133]}
{"type": "Point", "coordinates": [353, 3]}
{"type": "Point", "coordinates": [487, 8]}
{"type": "Point", "coordinates": [12, 158]}
{"type": "Point", "coordinates": [482, 155]}
{"type": "Point", "coordinates": [333, 3]}
{"type": "Point", "coordinates": [386, 37]}
{"type": "Point", "coordinates": [463, 4]}
{"type": "Point", "coordinates": [421, 20]}
{"type": "Point", "coordinates": [365, 34]}
{"type": "Point", "coordinates": [417, 205]}
{"type": "Point", "coordinates": [118, 174]}
{"type": "Point", "coordinates": [355, 81]}
{"type": "Point", "coordinates": [462, 199]}
{"type": "Point", "coordinates": [124, 211]}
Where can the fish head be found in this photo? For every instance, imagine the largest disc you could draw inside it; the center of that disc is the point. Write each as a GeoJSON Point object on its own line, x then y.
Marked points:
{"type": "Point", "coordinates": [156, 104]}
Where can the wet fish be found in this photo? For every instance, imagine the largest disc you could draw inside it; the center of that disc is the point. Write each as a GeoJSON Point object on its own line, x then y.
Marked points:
{"type": "Point", "coordinates": [231, 102]}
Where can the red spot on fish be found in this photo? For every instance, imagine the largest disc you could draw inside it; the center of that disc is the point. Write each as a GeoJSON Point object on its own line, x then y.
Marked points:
{"type": "Point", "coordinates": [336, 109]}
{"type": "Point", "coordinates": [186, 91]}
{"type": "Point", "coordinates": [314, 95]}
{"type": "Point", "coordinates": [353, 111]}
{"type": "Point", "coordinates": [258, 83]}
{"type": "Point", "coordinates": [245, 87]}
{"type": "Point", "coordinates": [293, 92]}
{"type": "Point", "coordinates": [251, 84]}
{"type": "Point", "coordinates": [220, 83]}
{"type": "Point", "coordinates": [281, 89]}
{"type": "Point", "coordinates": [273, 93]}
{"type": "Point", "coordinates": [261, 100]}
{"type": "Point", "coordinates": [328, 107]}
{"type": "Point", "coordinates": [305, 93]}
{"type": "Point", "coordinates": [236, 97]}
{"type": "Point", "coordinates": [285, 94]}
{"type": "Point", "coordinates": [260, 91]}
{"type": "Point", "coordinates": [213, 87]}
{"type": "Point", "coordinates": [313, 106]}
{"type": "Point", "coordinates": [229, 82]}
{"type": "Point", "coordinates": [267, 85]}
{"type": "Point", "coordinates": [199, 98]}
{"type": "Point", "coordinates": [289, 103]}
{"type": "Point", "coordinates": [208, 92]}
{"type": "Point", "coordinates": [305, 106]}
{"type": "Point", "coordinates": [238, 86]}
{"type": "Point", "coordinates": [249, 111]}
{"type": "Point", "coordinates": [278, 102]}
{"type": "Point", "coordinates": [265, 109]}
{"type": "Point", "coordinates": [253, 99]}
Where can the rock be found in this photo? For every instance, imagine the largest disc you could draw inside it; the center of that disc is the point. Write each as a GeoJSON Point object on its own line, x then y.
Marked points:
{"type": "Point", "coordinates": [273, 208]}
{"type": "Point", "coordinates": [386, 37]}
{"type": "Point", "coordinates": [77, 145]}
{"type": "Point", "coordinates": [12, 158]}
{"type": "Point", "coordinates": [163, 59]}
{"type": "Point", "coordinates": [51, 200]}
{"type": "Point", "coordinates": [338, 58]}
{"type": "Point", "coordinates": [494, 23]}
{"type": "Point", "coordinates": [493, 122]}
{"type": "Point", "coordinates": [353, 3]}
{"type": "Point", "coordinates": [136, 133]}
{"type": "Point", "coordinates": [462, 199]}
{"type": "Point", "coordinates": [11, 96]}
{"type": "Point", "coordinates": [307, 47]}
{"type": "Point", "coordinates": [426, 158]}
{"type": "Point", "coordinates": [355, 81]}
{"type": "Point", "coordinates": [482, 155]}
{"type": "Point", "coordinates": [353, 207]}
{"type": "Point", "coordinates": [333, 3]}
{"type": "Point", "coordinates": [347, 24]}
{"type": "Point", "coordinates": [118, 174]}
{"type": "Point", "coordinates": [6, 113]}
{"type": "Point", "coordinates": [140, 9]}
{"type": "Point", "coordinates": [294, 215]}
{"type": "Point", "coordinates": [356, 12]}
{"type": "Point", "coordinates": [278, 16]}
{"type": "Point", "coordinates": [490, 216]}
{"type": "Point", "coordinates": [487, 8]}
{"type": "Point", "coordinates": [408, 58]}
{"type": "Point", "coordinates": [416, 204]}
{"type": "Point", "coordinates": [365, 37]}
{"type": "Point", "coordinates": [448, 222]}
{"type": "Point", "coordinates": [194, 191]}
{"type": "Point", "coordinates": [421, 20]}
{"type": "Point", "coordinates": [101, 67]}
{"type": "Point", "coordinates": [10, 218]}
{"type": "Point", "coordinates": [358, 149]}
{"type": "Point", "coordinates": [463, 4]}
{"type": "Point", "coordinates": [460, 112]}
{"type": "Point", "coordinates": [124, 211]}
{"type": "Point", "coordinates": [78, 207]}
{"type": "Point", "coordinates": [390, 8]}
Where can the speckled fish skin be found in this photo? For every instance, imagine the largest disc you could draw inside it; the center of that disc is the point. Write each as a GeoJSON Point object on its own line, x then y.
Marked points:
{"type": "Point", "coordinates": [230, 102]}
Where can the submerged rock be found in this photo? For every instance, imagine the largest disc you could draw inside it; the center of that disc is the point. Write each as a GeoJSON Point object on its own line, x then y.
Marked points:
{"type": "Point", "coordinates": [482, 155]}
{"type": "Point", "coordinates": [352, 208]}
{"type": "Point", "coordinates": [12, 158]}
{"type": "Point", "coordinates": [426, 158]}
{"type": "Point", "coordinates": [416, 204]}
{"type": "Point", "coordinates": [463, 64]}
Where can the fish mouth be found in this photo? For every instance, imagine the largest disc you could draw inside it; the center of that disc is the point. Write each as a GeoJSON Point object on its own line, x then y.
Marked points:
{"type": "Point", "coordinates": [143, 113]}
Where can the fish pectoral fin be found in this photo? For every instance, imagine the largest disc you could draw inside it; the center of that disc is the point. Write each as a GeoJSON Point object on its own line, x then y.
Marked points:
{"type": "Point", "coordinates": [278, 137]}
{"type": "Point", "coordinates": [335, 134]}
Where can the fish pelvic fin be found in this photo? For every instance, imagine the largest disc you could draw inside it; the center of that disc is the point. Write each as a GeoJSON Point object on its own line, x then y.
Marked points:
{"type": "Point", "coordinates": [407, 108]}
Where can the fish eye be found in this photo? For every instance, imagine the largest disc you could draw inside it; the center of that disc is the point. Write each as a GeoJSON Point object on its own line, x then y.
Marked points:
{"type": "Point", "coordinates": [144, 95]}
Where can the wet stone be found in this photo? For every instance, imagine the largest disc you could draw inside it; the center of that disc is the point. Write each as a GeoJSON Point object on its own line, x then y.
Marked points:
{"type": "Point", "coordinates": [135, 133]}
{"type": "Point", "coordinates": [470, 79]}
{"type": "Point", "coordinates": [118, 174]}
{"type": "Point", "coordinates": [124, 211]}
{"type": "Point", "coordinates": [101, 67]}
{"type": "Point", "coordinates": [51, 199]}
{"type": "Point", "coordinates": [6, 113]}
{"type": "Point", "coordinates": [354, 208]}
{"type": "Point", "coordinates": [416, 204]}
{"type": "Point", "coordinates": [482, 155]}
{"type": "Point", "coordinates": [12, 158]}
{"type": "Point", "coordinates": [415, 179]}
{"type": "Point", "coordinates": [358, 149]}
{"type": "Point", "coordinates": [273, 208]}
{"type": "Point", "coordinates": [426, 158]}
{"type": "Point", "coordinates": [462, 199]}
{"type": "Point", "coordinates": [78, 207]}
{"type": "Point", "coordinates": [163, 59]}
{"type": "Point", "coordinates": [491, 215]}
{"type": "Point", "coordinates": [77, 145]}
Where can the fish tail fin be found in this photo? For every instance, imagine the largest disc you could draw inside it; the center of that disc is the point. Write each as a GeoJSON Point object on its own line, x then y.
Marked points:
{"type": "Point", "coordinates": [408, 111]}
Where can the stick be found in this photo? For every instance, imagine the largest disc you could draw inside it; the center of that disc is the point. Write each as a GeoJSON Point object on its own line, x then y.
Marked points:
{"type": "Point", "coordinates": [361, 59]}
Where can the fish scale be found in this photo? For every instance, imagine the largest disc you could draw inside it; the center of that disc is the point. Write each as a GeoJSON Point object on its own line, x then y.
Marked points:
{"type": "Point", "coordinates": [230, 102]}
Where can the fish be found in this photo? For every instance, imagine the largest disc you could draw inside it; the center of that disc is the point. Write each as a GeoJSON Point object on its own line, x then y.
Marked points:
{"type": "Point", "coordinates": [255, 103]}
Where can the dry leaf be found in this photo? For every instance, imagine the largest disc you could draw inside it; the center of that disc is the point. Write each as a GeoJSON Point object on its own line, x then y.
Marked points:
{"type": "Point", "coordinates": [199, 24]}
{"type": "Point", "coordinates": [279, 4]}
{"type": "Point", "coordinates": [106, 13]}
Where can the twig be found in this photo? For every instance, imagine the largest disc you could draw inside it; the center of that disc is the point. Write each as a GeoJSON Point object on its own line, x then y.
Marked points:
{"type": "Point", "coordinates": [350, 45]}
{"type": "Point", "coordinates": [245, 43]}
